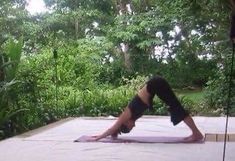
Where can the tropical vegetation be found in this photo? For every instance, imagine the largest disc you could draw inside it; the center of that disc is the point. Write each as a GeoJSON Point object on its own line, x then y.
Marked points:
{"type": "Point", "coordinates": [89, 57]}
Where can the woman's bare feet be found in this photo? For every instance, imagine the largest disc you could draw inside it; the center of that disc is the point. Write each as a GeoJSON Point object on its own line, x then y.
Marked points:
{"type": "Point", "coordinates": [196, 134]}
{"type": "Point", "coordinates": [194, 137]}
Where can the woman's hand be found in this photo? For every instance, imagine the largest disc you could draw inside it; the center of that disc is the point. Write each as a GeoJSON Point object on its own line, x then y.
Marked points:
{"type": "Point", "coordinates": [113, 131]}
{"type": "Point", "coordinates": [114, 136]}
{"type": "Point", "coordinates": [93, 138]}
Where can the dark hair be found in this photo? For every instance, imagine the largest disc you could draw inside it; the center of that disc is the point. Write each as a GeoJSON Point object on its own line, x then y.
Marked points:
{"type": "Point", "coordinates": [124, 129]}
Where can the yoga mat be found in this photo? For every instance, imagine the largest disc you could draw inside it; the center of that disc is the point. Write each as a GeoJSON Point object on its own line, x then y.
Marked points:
{"type": "Point", "coordinates": [137, 139]}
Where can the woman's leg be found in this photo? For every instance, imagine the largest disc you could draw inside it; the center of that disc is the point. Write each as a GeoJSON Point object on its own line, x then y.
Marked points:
{"type": "Point", "coordinates": [162, 89]}
{"type": "Point", "coordinates": [196, 134]}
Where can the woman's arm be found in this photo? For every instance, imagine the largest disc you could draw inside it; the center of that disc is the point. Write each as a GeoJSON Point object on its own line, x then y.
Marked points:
{"type": "Point", "coordinates": [113, 130]}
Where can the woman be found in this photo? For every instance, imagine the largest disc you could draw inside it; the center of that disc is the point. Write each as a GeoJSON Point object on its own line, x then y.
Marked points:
{"type": "Point", "coordinates": [143, 101]}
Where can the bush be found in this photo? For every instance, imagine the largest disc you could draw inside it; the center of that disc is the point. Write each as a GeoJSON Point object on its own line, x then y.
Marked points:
{"type": "Point", "coordinates": [217, 95]}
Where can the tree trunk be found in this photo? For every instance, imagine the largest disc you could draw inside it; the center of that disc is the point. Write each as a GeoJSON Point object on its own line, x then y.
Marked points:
{"type": "Point", "coordinates": [1, 69]}
{"type": "Point", "coordinates": [76, 28]}
{"type": "Point", "coordinates": [122, 9]}
{"type": "Point", "coordinates": [127, 59]}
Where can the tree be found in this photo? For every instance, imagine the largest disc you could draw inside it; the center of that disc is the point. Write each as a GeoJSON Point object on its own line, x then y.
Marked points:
{"type": "Point", "coordinates": [12, 16]}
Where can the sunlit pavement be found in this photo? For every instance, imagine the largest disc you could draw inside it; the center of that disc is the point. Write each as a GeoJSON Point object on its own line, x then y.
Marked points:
{"type": "Point", "coordinates": [55, 142]}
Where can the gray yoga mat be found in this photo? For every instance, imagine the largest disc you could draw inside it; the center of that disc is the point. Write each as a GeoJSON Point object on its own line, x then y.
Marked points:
{"type": "Point", "coordinates": [137, 139]}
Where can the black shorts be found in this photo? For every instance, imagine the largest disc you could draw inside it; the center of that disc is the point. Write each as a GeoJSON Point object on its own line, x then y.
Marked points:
{"type": "Point", "coordinates": [160, 87]}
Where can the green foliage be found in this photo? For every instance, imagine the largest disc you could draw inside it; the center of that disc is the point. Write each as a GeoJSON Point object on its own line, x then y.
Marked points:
{"type": "Point", "coordinates": [190, 105]}
{"type": "Point", "coordinates": [12, 16]}
{"type": "Point", "coordinates": [13, 53]}
{"type": "Point", "coordinates": [217, 88]}
{"type": "Point", "coordinates": [217, 95]}
{"type": "Point", "coordinates": [8, 93]}
{"type": "Point", "coordinates": [185, 41]}
{"type": "Point", "coordinates": [104, 5]}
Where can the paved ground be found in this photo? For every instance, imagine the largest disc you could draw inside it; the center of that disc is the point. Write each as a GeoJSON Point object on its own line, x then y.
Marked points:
{"type": "Point", "coordinates": [55, 142]}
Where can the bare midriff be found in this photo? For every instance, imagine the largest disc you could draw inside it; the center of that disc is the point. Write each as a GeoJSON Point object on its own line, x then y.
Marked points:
{"type": "Point", "coordinates": [144, 95]}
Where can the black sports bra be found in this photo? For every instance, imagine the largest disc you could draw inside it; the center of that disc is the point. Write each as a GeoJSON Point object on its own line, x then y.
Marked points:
{"type": "Point", "coordinates": [137, 107]}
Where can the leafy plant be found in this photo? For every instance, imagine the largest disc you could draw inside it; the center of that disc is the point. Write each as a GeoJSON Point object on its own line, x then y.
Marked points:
{"type": "Point", "coordinates": [9, 65]}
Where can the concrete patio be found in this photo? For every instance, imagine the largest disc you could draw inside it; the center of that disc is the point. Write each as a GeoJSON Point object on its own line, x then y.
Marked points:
{"type": "Point", "coordinates": [55, 142]}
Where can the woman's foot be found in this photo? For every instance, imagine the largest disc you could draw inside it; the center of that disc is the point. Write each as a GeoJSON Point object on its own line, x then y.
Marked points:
{"type": "Point", "coordinates": [194, 137]}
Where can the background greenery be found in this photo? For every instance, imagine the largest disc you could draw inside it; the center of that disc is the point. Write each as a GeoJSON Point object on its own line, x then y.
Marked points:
{"type": "Point", "coordinates": [90, 57]}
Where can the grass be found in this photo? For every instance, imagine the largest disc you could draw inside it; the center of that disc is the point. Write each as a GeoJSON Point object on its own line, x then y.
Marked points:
{"type": "Point", "coordinates": [196, 96]}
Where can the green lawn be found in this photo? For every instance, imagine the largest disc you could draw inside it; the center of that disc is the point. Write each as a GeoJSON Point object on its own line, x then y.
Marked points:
{"type": "Point", "coordinates": [196, 96]}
